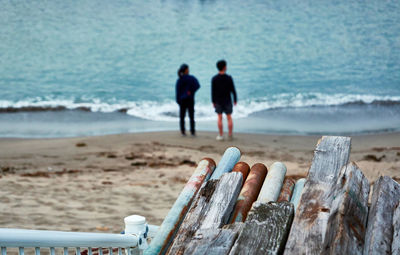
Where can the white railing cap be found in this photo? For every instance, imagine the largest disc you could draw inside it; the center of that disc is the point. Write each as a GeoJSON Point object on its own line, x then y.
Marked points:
{"type": "Point", "coordinates": [134, 220]}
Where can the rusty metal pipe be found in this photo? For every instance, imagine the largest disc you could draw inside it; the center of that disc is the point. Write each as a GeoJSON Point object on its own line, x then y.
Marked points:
{"type": "Point", "coordinates": [243, 168]}
{"type": "Point", "coordinates": [249, 192]}
{"type": "Point", "coordinates": [287, 189]}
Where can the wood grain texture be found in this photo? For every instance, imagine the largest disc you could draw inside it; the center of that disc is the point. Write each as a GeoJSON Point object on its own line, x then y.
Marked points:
{"type": "Point", "coordinates": [210, 209]}
{"type": "Point", "coordinates": [265, 229]}
{"type": "Point", "coordinates": [170, 225]}
{"type": "Point", "coordinates": [396, 231]}
{"type": "Point", "coordinates": [349, 212]}
{"type": "Point", "coordinates": [385, 197]}
{"type": "Point", "coordinates": [214, 241]}
{"type": "Point", "coordinates": [310, 222]}
{"type": "Point", "coordinates": [249, 192]}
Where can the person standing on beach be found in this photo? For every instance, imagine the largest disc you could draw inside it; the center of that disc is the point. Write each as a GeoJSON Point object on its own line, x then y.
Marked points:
{"type": "Point", "coordinates": [186, 87]}
{"type": "Point", "coordinates": [221, 89]}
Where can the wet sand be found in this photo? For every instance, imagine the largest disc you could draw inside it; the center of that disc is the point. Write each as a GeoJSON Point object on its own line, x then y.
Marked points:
{"type": "Point", "coordinates": [92, 183]}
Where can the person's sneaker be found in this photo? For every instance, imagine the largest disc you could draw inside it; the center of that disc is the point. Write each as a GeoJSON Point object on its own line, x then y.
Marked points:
{"type": "Point", "coordinates": [220, 138]}
{"type": "Point", "coordinates": [230, 137]}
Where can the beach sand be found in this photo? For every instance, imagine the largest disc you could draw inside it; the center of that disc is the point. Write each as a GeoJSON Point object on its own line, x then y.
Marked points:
{"type": "Point", "coordinates": [92, 183]}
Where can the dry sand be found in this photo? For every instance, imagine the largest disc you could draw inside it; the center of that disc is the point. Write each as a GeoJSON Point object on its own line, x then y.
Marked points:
{"type": "Point", "coordinates": [92, 183]}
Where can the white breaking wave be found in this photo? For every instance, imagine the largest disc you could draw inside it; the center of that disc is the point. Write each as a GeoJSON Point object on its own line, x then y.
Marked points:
{"type": "Point", "coordinates": [168, 110]}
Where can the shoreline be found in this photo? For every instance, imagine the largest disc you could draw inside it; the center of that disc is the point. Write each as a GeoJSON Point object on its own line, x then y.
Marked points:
{"type": "Point", "coordinates": [91, 183]}
{"type": "Point", "coordinates": [175, 130]}
{"type": "Point", "coordinates": [350, 120]}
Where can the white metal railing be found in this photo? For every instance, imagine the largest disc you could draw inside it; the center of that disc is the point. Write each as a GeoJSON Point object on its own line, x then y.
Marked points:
{"type": "Point", "coordinates": [132, 240]}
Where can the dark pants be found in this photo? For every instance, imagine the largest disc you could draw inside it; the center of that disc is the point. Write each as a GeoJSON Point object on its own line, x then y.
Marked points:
{"type": "Point", "coordinates": [187, 104]}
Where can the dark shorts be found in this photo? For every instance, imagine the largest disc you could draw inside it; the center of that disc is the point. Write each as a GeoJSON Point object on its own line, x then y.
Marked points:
{"type": "Point", "coordinates": [227, 108]}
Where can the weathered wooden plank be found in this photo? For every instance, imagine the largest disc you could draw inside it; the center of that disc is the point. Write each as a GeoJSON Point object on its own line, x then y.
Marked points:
{"type": "Point", "coordinates": [396, 231]}
{"type": "Point", "coordinates": [349, 212]}
{"type": "Point", "coordinates": [170, 225]}
{"type": "Point", "coordinates": [229, 159]}
{"type": "Point", "coordinates": [273, 183]}
{"type": "Point", "coordinates": [243, 168]}
{"type": "Point", "coordinates": [265, 229]}
{"type": "Point", "coordinates": [249, 192]}
{"type": "Point", "coordinates": [210, 209]}
{"type": "Point", "coordinates": [385, 197]}
{"type": "Point", "coordinates": [297, 191]}
{"type": "Point", "coordinates": [310, 221]}
{"type": "Point", "coordinates": [287, 189]}
{"type": "Point", "coordinates": [214, 241]}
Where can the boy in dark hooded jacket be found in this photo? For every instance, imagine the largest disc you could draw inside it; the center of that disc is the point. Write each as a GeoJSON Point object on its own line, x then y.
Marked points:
{"type": "Point", "coordinates": [186, 87]}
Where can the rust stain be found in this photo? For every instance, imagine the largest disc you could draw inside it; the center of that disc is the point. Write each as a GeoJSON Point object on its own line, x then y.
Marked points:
{"type": "Point", "coordinates": [249, 192]}
{"type": "Point", "coordinates": [324, 210]}
{"type": "Point", "coordinates": [356, 234]}
{"type": "Point", "coordinates": [243, 168]}
{"type": "Point", "coordinates": [343, 180]}
{"type": "Point", "coordinates": [211, 162]}
{"type": "Point", "coordinates": [311, 208]}
{"type": "Point", "coordinates": [210, 166]}
{"type": "Point", "coordinates": [357, 228]}
{"type": "Point", "coordinates": [168, 240]}
{"type": "Point", "coordinates": [287, 189]}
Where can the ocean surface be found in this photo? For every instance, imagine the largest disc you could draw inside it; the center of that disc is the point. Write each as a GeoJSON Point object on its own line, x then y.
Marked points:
{"type": "Point", "coordinates": [71, 68]}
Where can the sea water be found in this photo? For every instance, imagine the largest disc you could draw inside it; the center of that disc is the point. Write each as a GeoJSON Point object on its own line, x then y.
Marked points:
{"type": "Point", "coordinates": [90, 67]}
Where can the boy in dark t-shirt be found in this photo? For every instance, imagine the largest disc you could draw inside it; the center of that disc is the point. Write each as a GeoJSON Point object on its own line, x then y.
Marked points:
{"type": "Point", "coordinates": [221, 89]}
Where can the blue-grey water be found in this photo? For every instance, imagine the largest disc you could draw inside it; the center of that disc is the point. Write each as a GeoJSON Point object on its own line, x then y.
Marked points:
{"type": "Point", "coordinates": [300, 67]}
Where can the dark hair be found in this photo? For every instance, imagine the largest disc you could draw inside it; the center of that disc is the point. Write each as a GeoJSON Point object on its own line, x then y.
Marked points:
{"type": "Point", "coordinates": [182, 70]}
{"type": "Point", "coordinates": [221, 64]}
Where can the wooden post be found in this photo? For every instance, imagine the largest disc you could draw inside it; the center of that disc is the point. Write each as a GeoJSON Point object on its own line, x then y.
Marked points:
{"type": "Point", "coordinates": [298, 189]}
{"type": "Point", "coordinates": [229, 159]}
{"type": "Point", "coordinates": [265, 229]}
{"type": "Point", "coordinates": [396, 231]}
{"type": "Point", "coordinates": [310, 221]}
{"type": "Point", "coordinates": [273, 183]}
{"type": "Point", "coordinates": [349, 212]}
{"type": "Point", "coordinates": [210, 209]}
{"type": "Point", "coordinates": [243, 168]}
{"type": "Point", "coordinates": [287, 189]}
{"type": "Point", "coordinates": [385, 197]}
{"type": "Point", "coordinates": [249, 192]}
{"type": "Point", "coordinates": [167, 231]}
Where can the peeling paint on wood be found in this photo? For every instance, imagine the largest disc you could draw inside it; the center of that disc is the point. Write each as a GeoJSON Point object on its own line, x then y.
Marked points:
{"type": "Point", "coordinates": [229, 159]}
{"type": "Point", "coordinates": [170, 225]}
{"type": "Point", "coordinates": [249, 192]}
{"type": "Point", "coordinates": [310, 221]}
{"type": "Point", "coordinates": [265, 229]}
{"type": "Point", "coordinates": [273, 183]}
{"type": "Point", "coordinates": [349, 212]}
{"type": "Point", "coordinates": [210, 209]}
{"type": "Point", "coordinates": [214, 241]}
{"type": "Point", "coordinates": [385, 197]}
